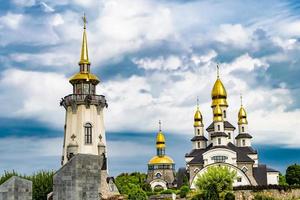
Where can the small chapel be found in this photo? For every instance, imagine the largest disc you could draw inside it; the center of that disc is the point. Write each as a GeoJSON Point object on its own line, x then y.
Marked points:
{"type": "Point", "coordinates": [220, 146]}
{"type": "Point", "coordinates": [161, 168]}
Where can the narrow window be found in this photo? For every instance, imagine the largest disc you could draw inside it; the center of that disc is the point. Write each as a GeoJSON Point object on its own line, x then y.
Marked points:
{"type": "Point", "coordinates": [198, 131]}
{"type": "Point", "coordinates": [88, 133]}
{"type": "Point", "coordinates": [239, 179]}
{"type": "Point", "coordinates": [224, 113]}
{"type": "Point", "coordinates": [243, 129]}
{"type": "Point", "coordinates": [219, 140]}
{"type": "Point", "coordinates": [244, 143]}
{"type": "Point", "coordinates": [219, 127]}
{"type": "Point", "coordinates": [229, 135]}
{"type": "Point", "coordinates": [198, 145]}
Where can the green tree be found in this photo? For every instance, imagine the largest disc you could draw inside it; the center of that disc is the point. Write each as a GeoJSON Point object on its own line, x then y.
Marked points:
{"type": "Point", "coordinates": [7, 175]}
{"type": "Point", "coordinates": [292, 175]}
{"type": "Point", "coordinates": [282, 180]}
{"type": "Point", "coordinates": [132, 184]}
{"type": "Point", "coordinates": [184, 190]}
{"type": "Point", "coordinates": [42, 184]}
{"type": "Point", "coordinates": [136, 193]}
{"type": "Point", "coordinates": [216, 182]}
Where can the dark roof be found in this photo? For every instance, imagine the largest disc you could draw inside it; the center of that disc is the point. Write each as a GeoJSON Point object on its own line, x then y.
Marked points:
{"type": "Point", "coordinates": [196, 152]}
{"type": "Point", "coordinates": [243, 135]}
{"type": "Point", "coordinates": [248, 150]}
{"type": "Point", "coordinates": [271, 170]}
{"type": "Point", "coordinates": [197, 160]}
{"type": "Point", "coordinates": [196, 138]}
{"type": "Point", "coordinates": [260, 174]}
{"type": "Point", "coordinates": [218, 134]}
{"type": "Point", "coordinates": [241, 155]}
{"type": "Point", "coordinates": [227, 125]}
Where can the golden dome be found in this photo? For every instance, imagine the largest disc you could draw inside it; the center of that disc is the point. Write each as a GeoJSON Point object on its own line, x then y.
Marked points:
{"type": "Point", "coordinates": [160, 140]}
{"type": "Point", "coordinates": [84, 76]}
{"type": "Point", "coordinates": [161, 160]}
{"type": "Point", "coordinates": [242, 116]}
{"type": "Point", "coordinates": [218, 115]}
{"type": "Point", "coordinates": [198, 121]}
{"type": "Point", "coordinates": [219, 94]}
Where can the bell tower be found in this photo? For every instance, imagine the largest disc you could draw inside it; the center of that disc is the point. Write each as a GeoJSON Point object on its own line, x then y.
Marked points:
{"type": "Point", "coordinates": [84, 131]}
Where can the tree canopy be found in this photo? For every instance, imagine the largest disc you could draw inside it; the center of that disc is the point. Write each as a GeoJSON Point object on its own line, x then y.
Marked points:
{"type": "Point", "coordinates": [216, 182]}
{"type": "Point", "coordinates": [292, 175]}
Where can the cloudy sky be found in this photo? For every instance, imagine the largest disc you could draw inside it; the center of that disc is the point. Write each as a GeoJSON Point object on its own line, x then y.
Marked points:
{"type": "Point", "coordinates": [154, 57]}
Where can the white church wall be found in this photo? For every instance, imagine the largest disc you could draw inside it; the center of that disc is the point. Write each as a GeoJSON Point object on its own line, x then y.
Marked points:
{"type": "Point", "coordinates": [231, 156]}
{"type": "Point", "coordinates": [272, 178]}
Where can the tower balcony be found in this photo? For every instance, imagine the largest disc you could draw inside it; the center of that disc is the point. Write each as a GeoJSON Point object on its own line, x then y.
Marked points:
{"type": "Point", "coordinates": [74, 100]}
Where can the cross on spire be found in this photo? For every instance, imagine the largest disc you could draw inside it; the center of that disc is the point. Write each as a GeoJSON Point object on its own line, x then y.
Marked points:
{"type": "Point", "coordinates": [197, 102]}
{"type": "Point", "coordinates": [84, 21]}
{"type": "Point", "coordinates": [159, 124]}
{"type": "Point", "coordinates": [218, 70]}
{"type": "Point", "coordinates": [241, 99]}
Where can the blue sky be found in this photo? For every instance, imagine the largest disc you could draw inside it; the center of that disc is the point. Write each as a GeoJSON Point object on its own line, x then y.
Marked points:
{"type": "Point", "coordinates": [154, 57]}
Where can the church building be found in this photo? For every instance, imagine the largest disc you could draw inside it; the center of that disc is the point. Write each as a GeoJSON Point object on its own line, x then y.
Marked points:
{"type": "Point", "coordinates": [220, 146]}
{"type": "Point", "coordinates": [161, 168]}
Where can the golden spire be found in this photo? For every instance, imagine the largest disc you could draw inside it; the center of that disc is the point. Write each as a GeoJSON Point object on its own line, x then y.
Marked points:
{"type": "Point", "coordinates": [218, 116]}
{"type": "Point", "coordinates": [242, 116]}
{"type": "Point", "coordinates": [198, 120]}
{"type": "Point", "coordinates": [84, 57]}
{"type": "Point", "coordinates": [218, 93]}
{"type": "Point", "coordinates": [160, 138]}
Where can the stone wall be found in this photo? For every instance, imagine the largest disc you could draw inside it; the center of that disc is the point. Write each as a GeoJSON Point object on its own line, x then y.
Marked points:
{"type": "Point", "coordinates": [277, 194]}
{"type": "Point", "coordinates": [16, 188]}
{"type": "Point", "coordinates": [79, 179]}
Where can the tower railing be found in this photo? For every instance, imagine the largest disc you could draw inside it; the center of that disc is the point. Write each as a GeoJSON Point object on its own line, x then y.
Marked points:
{"type": "Point", "coordinates": [87, 99]}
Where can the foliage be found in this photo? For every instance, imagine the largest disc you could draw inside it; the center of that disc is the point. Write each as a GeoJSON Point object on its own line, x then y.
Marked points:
{"type": "Point", "coordinates": [216, 182]}
{"type": "Point", "coordinates": [169, 191]}
{"type": "Point", "coordinates": [42, 182]}
{"type": "Point", "coordinates": [282, 180]}
{"type": "Point", "coordinates": [262, 197]}
{"type": "Point", "coordinates": [229, 196]}
{"type": "Point", "coordinates": [133, 184]}
{"type": "Point", "coordinates": [293, 175]}
{"type": "Point", "coordinates": [199, 196]}
{"type": "Point", "coordinates": [136, 193]}
{"type": "Point", "coordinates": [184, 190]}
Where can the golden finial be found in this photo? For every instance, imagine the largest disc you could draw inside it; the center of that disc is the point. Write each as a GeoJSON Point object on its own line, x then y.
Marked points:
{"type": "Point", "coordinates": [197, 102]}
{"type": "Point", "coordinates": [84, 58]}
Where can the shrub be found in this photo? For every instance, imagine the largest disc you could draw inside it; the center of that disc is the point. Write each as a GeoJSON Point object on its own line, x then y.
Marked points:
{"type": "Point", "coordinates": [169, 191]}
{"type": "Point", "coordinates": [200, 196]}
{"type": "Point", "coordinates": [229, 196]}
{"type": "Point", "coordinates": [137, 194]}
{"type": "Point", "coordinates": [262, 197]}
{"type": "Point", "coordinates": [184, 190]}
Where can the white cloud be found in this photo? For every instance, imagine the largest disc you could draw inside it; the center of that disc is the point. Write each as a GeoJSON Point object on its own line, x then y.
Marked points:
{"type": "Point", "coordinates": [170, 63]}
{"type": "Point", "coordinates": [33, 95]}
{"type": "Point", "coordinates": [233, 34]}
{"type": "Point", "coordinates": [11, 20]}
{"type": "Point", "coordinates": [24, 3]}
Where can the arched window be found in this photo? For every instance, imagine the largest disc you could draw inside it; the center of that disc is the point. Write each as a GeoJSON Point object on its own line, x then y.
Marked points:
{"type": "Point", "coordinates": [219, 127]}
{"type": "Point", "coordinates": [158, 175]}
{"type": "Point", "coordinates": [243, 129]}
{"type": "Point", "coordinates": [244, 142]}
{"type": "Point", "coordinates": [219, 140]}
{"type": "Point", "coordinates": [199, 145]}
{"type": "Point", "coordinates": [88, 133]}
{"type": "Point", "coordinates": [198, 131]}
{"type": "Point", "coordinates": [229, 135]}
{"type": "Point", "coordinates": [224, 113]}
